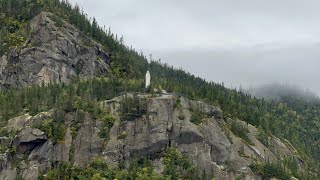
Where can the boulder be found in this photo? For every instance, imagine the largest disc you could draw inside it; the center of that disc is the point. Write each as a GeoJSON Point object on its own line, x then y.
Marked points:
{"type": "Point", "coordinates": [18, 123]}
{"type": "Point", "coordinates": [28, 139]}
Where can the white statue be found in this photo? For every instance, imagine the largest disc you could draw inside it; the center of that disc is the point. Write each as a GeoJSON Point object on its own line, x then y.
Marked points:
{"type": "Point", "coordinates": [148, 79]}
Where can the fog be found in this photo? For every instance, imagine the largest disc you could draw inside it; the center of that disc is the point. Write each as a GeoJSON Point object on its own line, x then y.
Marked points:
{"type": "Point", "coordinates": [295, 65]}
{"type": "Point", "coordinates": [247, 43]}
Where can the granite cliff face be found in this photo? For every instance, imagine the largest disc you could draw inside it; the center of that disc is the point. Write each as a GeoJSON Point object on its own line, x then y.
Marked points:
{"type": "Point", "coordinates": [211, 145]}
{"type": "Point", "coordinates": [55, 52]}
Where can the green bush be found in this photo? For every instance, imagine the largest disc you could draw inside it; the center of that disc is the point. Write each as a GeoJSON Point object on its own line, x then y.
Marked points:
{"type": "Point", "coordinates": [140, 169]}
{"type": "Point", "coordinates": [197, 117]}
{"type": "Point", "coordinates": [263, 137]}
{"type": "Point", "coordinates": [270, 170]}
{"type": "Point", "coordinates": [13, 40]}
{"type": "Point", "coordinates": [54, 128]}
{"type": "Point", "coordinates": [132, 108]}
{"type": "Point", "coordinates": [58, 21]}
{"type": "Point", "coordinates": [177, 105]}
{"type": "Point", "coordinates": [3, 149]}
{"type": "Point", "coordinates": [177, 166]}
{"type": "Point", "coordinates": [123, 135]}
{"type": "Point", "coordinates": [78, 96]}
{"type": "Point", "coordinates": [241, 131]}
{"type": "Point", "coordinates": [107, 123]}
{"type": "Point", "coordinates": [12, 35]}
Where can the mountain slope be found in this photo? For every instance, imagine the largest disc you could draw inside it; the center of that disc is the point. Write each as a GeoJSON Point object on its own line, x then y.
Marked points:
{"type": "Point", "coordinates": [168, 122]}
{"type": "Point", "coordinates": [54, 53]}
{"type": "Point", "coordinates": [299, 123]}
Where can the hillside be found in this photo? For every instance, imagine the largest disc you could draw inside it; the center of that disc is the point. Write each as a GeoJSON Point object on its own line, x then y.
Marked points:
{"type": "Point", "coordinates": [165, 126]}
{"type": "Point", "coordinates": [61, 113]}
{"type": "Point", "coordinates": [53, 53]}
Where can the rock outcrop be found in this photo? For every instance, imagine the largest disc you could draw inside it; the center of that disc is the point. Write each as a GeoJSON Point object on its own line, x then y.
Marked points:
{"type": "Point", "coordinates": [52, 54]}
{"type": "Point", "coordinates": [28, 139]}
{"type": "Point", "coordinates": [210, 145]}
{"type": "Point", "coordinates": [87, 144]}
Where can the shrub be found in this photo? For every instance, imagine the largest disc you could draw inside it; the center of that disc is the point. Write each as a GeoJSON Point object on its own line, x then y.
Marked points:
{"type": "Point", "coordinates": [241, 131]}
{"type": "Point", "coordinates": [197, 117]}
{"type": "Point", "coordinates": [2, 149]}
{"type": "Point", "coordinates": [54, 130]}
{"type": "Point", "coordinates": [132, 108]}
{"type": "Point", "coordinates": [178, 103]}
{"type": "Point", "coordinates": [270, 170]}
{"type": "Point", "coordinates": [58, 21]}
{"type": "Point", "coordinates": [263, 137]}
{"type": "Point", "coordinates": [123, 135]}
{"type": "Point", "coordinates": [177, 166]}
{"type": "Point", "coordinates": [140, 169]}
{"type": "Point", "coordinates": [14, 40]}
{"type": "Point", "coordinates": [107, 123]}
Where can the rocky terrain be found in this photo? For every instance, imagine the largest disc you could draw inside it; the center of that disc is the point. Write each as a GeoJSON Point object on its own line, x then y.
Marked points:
{"type": "Point", "coordinates": [55, 52]}
{"type": "Point", "coordinates": [28, 152]}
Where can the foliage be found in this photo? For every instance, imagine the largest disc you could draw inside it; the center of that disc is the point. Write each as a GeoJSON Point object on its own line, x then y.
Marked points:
{"type": "Point", "coordinates": [123, 135]}
{"type": "Point", "coordinates": [263, 137]}
{"type": "Point", "coordinates": [290, 118]}
{"type": "Point", "coordinates": [298, 121]}
{"type": "Point", "coordinates": [132, 107]}
{"type": "Point", "coordinates": [76, 96]}
{"type": "Point", "coordinates": [54, 128]}
{"type": "Point", "coordinates": [241, 131]}
{"type": "Point", "coordinates": [292, 164]}
{"type": "Point", "coordinates": [139, 169]}
{"type": "Point", "coordinates": [177, 105]}
{"type": "Point", "coordinates": [12, 33]}
{"type": "Point", "coordinates": [177, 166]}
{"type": "Point", "coordinates": [270, 170]}
{"type": "Point", "coordinates": [107, 123]}
{"type": "Point", "coordinates": [3, 149]}
{"type": "Point", "coordinates": [58, 21]}
{"type": "Point", "coordinates": [197, 117]}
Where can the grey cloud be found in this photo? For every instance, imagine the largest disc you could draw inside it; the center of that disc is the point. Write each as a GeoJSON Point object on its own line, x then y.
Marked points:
{"type": "Point", "coordinates": [248, 42]}
{"type": "Point", "coordinates": [296, 65]}
{"type": "Point", "coordinates": [207, 23]}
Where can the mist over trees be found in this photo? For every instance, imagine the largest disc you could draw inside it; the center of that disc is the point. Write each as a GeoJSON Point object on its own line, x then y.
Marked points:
{"type": "Point", "coordinates": [283, 93]}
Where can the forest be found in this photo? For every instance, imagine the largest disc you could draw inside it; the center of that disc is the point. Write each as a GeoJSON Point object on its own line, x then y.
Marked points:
{"type": "Point", "coordinates": [296, 119]}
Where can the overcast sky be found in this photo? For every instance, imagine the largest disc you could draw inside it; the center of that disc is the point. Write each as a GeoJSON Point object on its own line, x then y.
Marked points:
{"type": "Point", "coordinates": [248, 42]}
